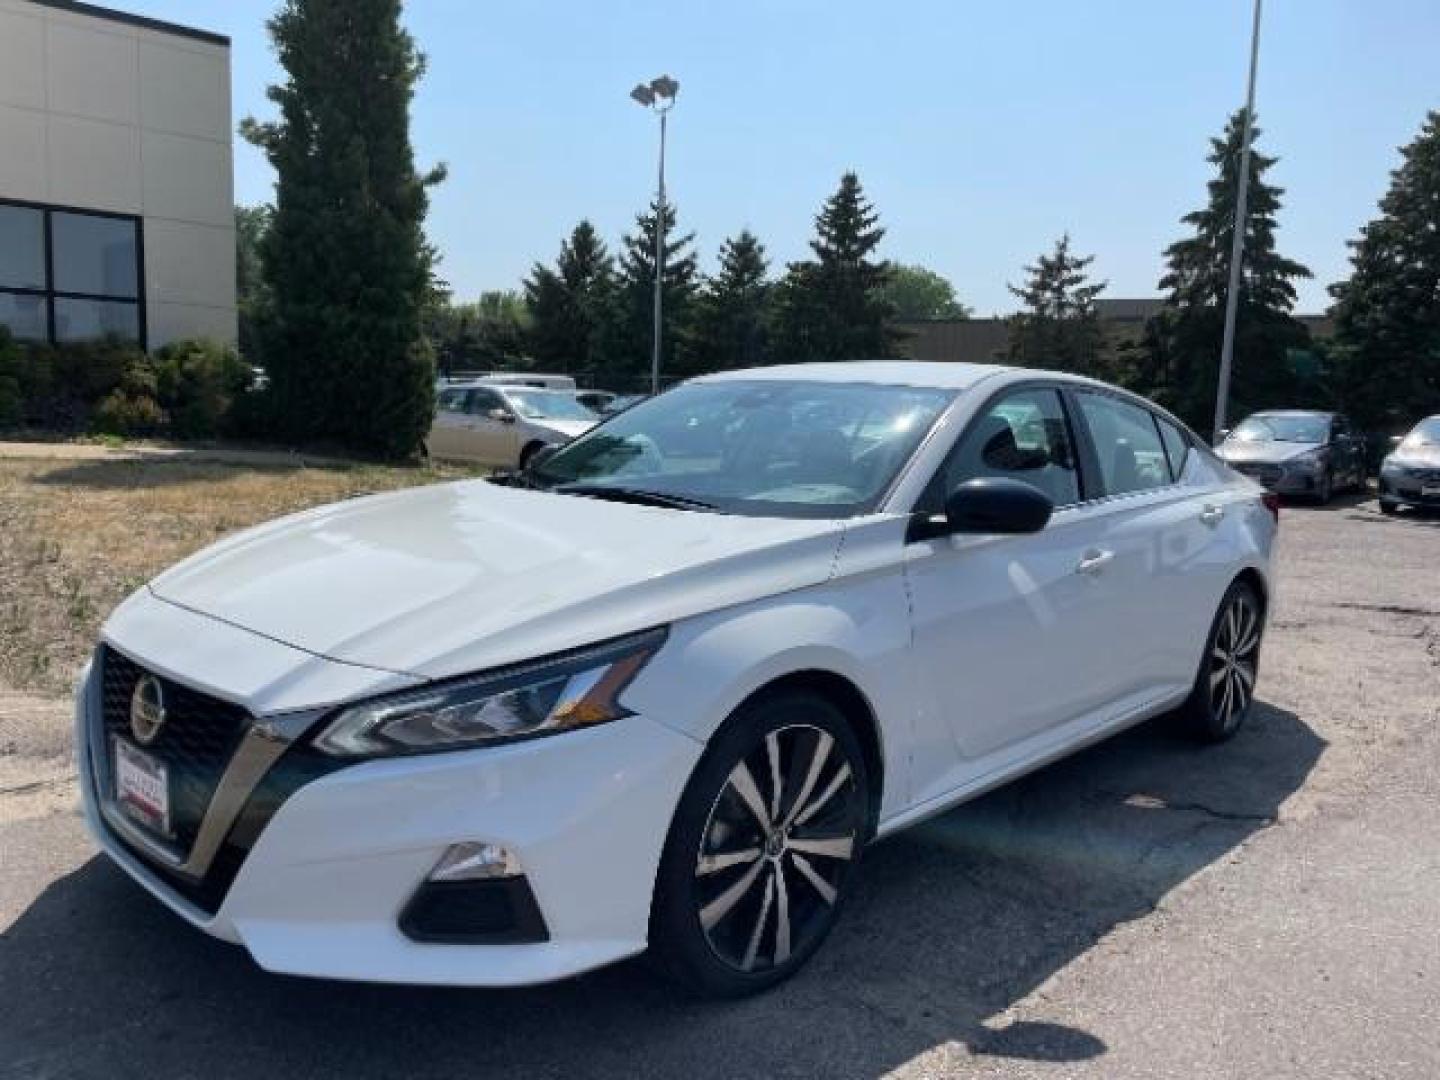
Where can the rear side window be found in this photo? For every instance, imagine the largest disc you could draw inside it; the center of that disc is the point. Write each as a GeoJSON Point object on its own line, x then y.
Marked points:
{"type": "Point", "coordinates": [1023, 436]}
{"type": "Point", "coordinates": [1177, 447]}
{"type": "Point", "coordinates": [1127, 444]}
{"type": "Point", "coordinates": [453, 400]}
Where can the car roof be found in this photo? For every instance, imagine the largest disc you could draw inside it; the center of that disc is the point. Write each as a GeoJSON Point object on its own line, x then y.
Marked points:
{"type": "Point", "coordinates": [1293, 412]}
{"type": "Point", "coordinates": [940, 375]}
{"type": "Point", "coordinates": [484, 384]}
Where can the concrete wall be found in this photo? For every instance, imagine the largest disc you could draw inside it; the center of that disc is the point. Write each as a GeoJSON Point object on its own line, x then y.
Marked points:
{"type": "Point", "coordinates": [98, 113]}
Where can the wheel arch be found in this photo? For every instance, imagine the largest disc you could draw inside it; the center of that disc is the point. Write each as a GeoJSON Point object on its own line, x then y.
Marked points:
{"type": "Point", "coordinates": [1256, 580]}
{"type": "Point", "coordinates": [852, 702]}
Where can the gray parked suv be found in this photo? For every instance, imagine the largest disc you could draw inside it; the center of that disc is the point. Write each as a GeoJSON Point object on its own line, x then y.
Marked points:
{"type": "Point", "coordinates": [1410, 475]}
{"type": "Point", "coordinates": [1297, 452]}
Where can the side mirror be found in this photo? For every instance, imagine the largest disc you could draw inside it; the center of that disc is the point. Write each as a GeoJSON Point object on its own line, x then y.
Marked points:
{"type": "Point", "coordinates": [1222, 435]}
{"type": "Point", "coordinates": [1396, 440]}
{"type": "Point", "coordinates": [505, 416]}
{"type": "Point", "coordinates": [988, 506]}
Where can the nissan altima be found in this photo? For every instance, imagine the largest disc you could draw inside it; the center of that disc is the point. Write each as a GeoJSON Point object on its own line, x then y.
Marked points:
{"type": "Point", "coordinates": [659, 693]}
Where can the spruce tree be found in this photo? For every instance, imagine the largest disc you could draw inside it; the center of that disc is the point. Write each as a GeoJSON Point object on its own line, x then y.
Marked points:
{"type": "Point", "coordinates": [833, 306]}
{"type": "Point", "coordinates": [571, 307]}
{"type": "Point", "coordinates": [1179, 360]}
{"type": "Point", "coordinates": [1387, 315]}
{"type": "Point", "coordinates": [733, 312]}
{"type": "Point", "coordinates": [1058, 327]}
{"type": "Point", "coordinates": [349, 271]}
{"type": "Point", "coordinates": [680, 285]}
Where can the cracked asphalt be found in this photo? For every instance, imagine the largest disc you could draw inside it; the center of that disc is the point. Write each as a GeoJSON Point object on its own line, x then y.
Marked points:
{"type": "Point", "coordinates": [1147, 908]}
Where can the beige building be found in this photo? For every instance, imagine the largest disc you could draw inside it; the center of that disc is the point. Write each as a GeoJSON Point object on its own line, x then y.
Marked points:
{"type": "Point", "coordinates": [116, 200]}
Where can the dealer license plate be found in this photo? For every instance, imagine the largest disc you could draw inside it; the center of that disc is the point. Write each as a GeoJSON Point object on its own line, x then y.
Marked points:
{"type": "Point", "coordinates": [142, 787]}
{"type": "Point", "coordinates": [1430, 491]}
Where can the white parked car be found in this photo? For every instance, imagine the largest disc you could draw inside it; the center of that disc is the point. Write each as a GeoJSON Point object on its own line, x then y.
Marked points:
{"type": "Point", "coordinates": [664, 689]}
{"type": "Point", "coordinates": [504, 426]}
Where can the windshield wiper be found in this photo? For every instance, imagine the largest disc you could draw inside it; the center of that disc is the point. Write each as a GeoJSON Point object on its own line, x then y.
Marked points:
{"type": "Point", "coordinates": [638, 496]}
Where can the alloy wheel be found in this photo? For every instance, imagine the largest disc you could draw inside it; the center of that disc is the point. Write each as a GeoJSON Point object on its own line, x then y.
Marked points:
{"type": "Point", "coordinates": [776, 849]}
{"type": "Point", "coordinates": [1234, 660]}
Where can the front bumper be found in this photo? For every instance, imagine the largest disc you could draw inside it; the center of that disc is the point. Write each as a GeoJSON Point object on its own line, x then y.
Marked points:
{"type": "Point", "coordinates": [323, 888]}
{"type": "Point", "coordinates": [1283, 479]}
{"type": "Point", "coordinates": [1410, 491]}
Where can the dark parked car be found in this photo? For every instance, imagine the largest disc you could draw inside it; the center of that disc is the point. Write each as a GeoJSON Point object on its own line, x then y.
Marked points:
{"type": "Point", "coordinates": [1297, 452]}
{"type": "Point", "coordinates": [1410, 475]}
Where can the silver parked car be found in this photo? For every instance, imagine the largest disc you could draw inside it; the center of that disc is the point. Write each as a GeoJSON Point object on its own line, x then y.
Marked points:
{"type": "Point", "coordinates": [504, 426]}
{"type": "Point", "coordinates": [1297, 452]}
{"type": "Point", "coordinates": [1410, 474]}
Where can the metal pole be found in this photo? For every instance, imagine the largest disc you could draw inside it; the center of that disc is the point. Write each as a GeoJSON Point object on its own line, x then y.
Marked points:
{"type": "Point", "coordinates": [659, 265]}
{"type": "Point", "coordinates": [1237, 244]}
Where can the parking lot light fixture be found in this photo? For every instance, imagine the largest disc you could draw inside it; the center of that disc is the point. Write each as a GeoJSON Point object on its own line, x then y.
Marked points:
{"type": "Point", "coordinates": [659, 97]}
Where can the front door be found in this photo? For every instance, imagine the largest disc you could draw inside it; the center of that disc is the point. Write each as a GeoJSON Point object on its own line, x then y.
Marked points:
{"type": "Point", "coordinates": [1015, 636]}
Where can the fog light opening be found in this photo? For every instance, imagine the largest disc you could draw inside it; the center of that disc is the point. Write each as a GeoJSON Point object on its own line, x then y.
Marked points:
{"type": "Point", "coordinates": [474, 860]}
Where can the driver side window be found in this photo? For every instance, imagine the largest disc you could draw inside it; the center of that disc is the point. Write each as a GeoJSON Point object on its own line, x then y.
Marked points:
{"type": "Point", "coordinates": [1023, 436]}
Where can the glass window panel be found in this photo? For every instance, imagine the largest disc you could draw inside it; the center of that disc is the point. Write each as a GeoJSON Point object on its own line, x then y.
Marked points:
{"type": "Point", "coordinates": [94, 255]}
{"type": "Point", "coordinates": [24, 315]}
{"type": "Point", "coordinates": [85, 320]}
{"type": "Point", "coordinates": [1126, 442]}
{"type": "Point", "coordinates": [1023, 437]}
{"type": "Point", "coordinates": [22, 248]}
{"type": "Point", "coordinates": [1177, 446]}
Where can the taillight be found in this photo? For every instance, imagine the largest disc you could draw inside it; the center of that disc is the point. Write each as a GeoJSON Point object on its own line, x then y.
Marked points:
{"type": "Point", "coordinates": [1271, 502]}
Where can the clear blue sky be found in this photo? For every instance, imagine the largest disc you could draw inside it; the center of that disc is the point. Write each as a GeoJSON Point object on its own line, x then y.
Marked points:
{"type": "Point", "coordinates": [980, 130]}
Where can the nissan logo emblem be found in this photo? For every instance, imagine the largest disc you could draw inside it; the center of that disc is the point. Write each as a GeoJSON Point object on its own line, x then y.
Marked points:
{"type": "Point", "coordinates": [147, 710]}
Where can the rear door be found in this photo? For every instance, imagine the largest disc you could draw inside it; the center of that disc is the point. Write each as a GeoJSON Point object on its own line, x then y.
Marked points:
{"type": "Point", "coordinates": [446, 431]}
{"type": "Point", "coordinates": [1157, 522]}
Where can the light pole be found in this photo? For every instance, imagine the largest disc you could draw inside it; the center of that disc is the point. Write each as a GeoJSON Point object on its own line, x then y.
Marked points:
{"type": "Point", "coordinates": [1237, 243]}
{"type": "Point", "coordinates": [659, 97]}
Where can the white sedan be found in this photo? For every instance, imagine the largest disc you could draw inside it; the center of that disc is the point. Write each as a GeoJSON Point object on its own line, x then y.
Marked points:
{"type": "Point", "coordinates": [663, 689]}
{"type": "Point", "coordinates": [503, 426]}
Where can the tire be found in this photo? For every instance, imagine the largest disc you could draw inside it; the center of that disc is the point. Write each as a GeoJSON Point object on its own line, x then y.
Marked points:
{"type": "Point", "coordinates": [528, 454]}
{"type": "Point", "coordinates": [1388, 507]}
{"type": "Point", "coordinates": [1224, 690]}
{"type": "Point", "coordinates": [754, 874]}
{"type": "Point", "coordinates": [1326, 490]}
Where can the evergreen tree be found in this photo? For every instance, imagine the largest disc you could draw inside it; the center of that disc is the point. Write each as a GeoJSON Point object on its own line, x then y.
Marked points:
{"type": "Point", "coordinates": [679, 286]}
{"type": "Point", "coordinates": [916, 292]}
{"type": "Point", "coordinates": [833, 306]}
{"type": "Point", "coordinates": [251, 293]}
{"type": "Point", "coordinates": [490, 333]}
{"type": "Point", "coordinates": [572, 306]}
{"type": "Point", "coordinates": [349, 270]}
{"type": "Point", "coordinates": [1179, 359]}
{"type": "Point", "coordinates": [733, 313]}
{"type": "Point", "coordinates": [1058, 327]}
{"type": "Point", "coordinates": [1387, 315]}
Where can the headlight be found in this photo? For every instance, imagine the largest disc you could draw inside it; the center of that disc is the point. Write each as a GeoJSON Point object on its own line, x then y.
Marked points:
{"type": "Point", "coordinates": [574, 690]}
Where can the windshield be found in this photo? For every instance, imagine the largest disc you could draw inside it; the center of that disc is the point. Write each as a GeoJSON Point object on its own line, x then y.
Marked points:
{"type": "Point", "coordinates": [1296, 429]}
{"type": "Point", "coordinates": [763, 448]}
{"type": "Point", "coordinates": [548, 405]}
{"type": "Point", "coordinates": [1425, 433]}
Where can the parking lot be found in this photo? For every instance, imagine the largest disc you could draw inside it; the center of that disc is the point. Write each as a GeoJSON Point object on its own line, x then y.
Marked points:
{"type": "Point", "coordinates": [1148, 908]}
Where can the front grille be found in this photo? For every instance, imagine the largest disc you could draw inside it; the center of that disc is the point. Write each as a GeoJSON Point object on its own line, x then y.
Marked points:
{"type": "Point", "coordinates": [1269, 475]}
{"type": "Point", "coordinates": [196, 742]}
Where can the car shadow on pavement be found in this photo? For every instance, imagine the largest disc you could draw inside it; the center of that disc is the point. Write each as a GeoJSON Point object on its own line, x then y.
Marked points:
{"type": "Point", "coordinates": [953, 922]}
{"type": "Point", "coordinates": [132, 473]}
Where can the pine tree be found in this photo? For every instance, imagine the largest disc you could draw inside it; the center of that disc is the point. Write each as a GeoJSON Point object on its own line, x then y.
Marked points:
{"type": "Point", "coordinates": [1387, 315]}
{"type": "Point", "coordinates": [1179, 359]}
{"type": "Point", "coordinates": [833, 307]}
{"type": "Point", "coordinates": [1059, 327]}
{"type": "Point", "coordinates": [572, 306]}
{"type": "Point", "coordinates": [346, 260]}
{"type": "Point", "coordinates": [680, 285]}
{"type": "Point", "coordinates": [733, 312]}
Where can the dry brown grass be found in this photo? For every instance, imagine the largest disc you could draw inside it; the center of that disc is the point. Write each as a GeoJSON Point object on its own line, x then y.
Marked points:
{"type": "Point", "coordinates": [77, 536]}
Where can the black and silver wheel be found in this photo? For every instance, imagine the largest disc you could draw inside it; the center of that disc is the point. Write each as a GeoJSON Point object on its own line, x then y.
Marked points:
{"type": "Point", "coordinates": [527, 455]}
{"type": "Point", "coordinates": [1389, 506]}
{"type": "Point", "coordinates": [1326, 491]}
{"type": "Point", "coordinates": [1225, 686]}
{"type": "Point", "coordinates": [763, 847]}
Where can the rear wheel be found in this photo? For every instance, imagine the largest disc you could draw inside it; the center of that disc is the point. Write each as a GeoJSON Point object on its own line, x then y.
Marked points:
{"type": "Point", "coordinates": [1224, 688]}
{"type": "Point", "coordinates": [763, 848]}
{"type": "Point", "coordinates": [528, 454]}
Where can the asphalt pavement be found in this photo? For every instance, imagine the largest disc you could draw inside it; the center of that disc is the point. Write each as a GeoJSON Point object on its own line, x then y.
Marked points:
{"type": "Point", "coordinates": [1147, 908]}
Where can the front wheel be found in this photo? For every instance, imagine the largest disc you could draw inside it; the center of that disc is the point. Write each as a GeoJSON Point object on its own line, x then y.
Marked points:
{"type": "Point", "coordinates": [1224, 688]}
{"type": "Point", "coordinates": [1387, 506]}
{"type": "Point", "coordinates": [1326, 490]}
{"type": "Point", "coordinates": [763, 849]}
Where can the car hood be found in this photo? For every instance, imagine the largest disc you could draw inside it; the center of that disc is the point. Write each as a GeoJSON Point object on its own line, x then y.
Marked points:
{"type": "Point", "coordinates": [454, 578]}
{"type": "Point", "coordinates": [1422, 457]}
{"type": "Point", "coordinates": [1263, 453]}
{"type": "Point", "coordinates": [568, 428]}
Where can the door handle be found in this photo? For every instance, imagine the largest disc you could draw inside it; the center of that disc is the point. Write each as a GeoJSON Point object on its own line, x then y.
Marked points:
{"type": "Point", "coordinates": [1093, 561]}
{"type": "Point", "coordinates": [1212, 514]}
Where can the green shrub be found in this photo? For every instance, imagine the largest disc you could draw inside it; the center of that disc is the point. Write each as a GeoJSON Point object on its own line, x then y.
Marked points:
{"type": "Point", "coordinates": [10, 400]}
{"type": "Point", "coordinates": [198, 383]}
{"type": "Point", "coordinates": [60, 386]}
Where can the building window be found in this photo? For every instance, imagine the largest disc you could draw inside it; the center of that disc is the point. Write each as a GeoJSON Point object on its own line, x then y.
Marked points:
{"type": "Point", "coordinates": [70, 275]}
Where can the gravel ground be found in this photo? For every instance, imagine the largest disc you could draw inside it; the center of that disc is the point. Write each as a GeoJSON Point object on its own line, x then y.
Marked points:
{"type": "Point", "coordinates": [1145, 909]}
